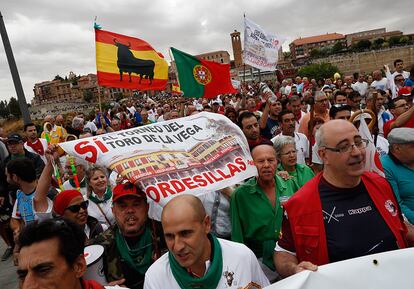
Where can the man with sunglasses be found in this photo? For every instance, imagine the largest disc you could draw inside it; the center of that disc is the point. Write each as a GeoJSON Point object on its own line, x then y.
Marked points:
{"type": "Point", "coordinates": [134, 242]}
{"type": "Point", "coordinates": [403, 115]}
{"type": "Point", "coordinates": [343, 212]}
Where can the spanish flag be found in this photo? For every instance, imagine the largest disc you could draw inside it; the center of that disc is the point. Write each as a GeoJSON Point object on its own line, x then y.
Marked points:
{"type": "Point", "coordinates": [202, 78]}
{"type": "Point", "coordinates": [127, 62]}
{"type": "Point", "coordinates": [176, 89]}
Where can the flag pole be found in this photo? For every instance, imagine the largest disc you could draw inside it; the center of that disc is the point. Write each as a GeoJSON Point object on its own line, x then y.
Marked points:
{"type": "Point", "coordinates": [244, 63]}
{"type": "Point", "coordinates": [14, 72]}
{"type": "Point", "coordinates": [175, 69]}
{"type": "Point", "coordinates": [99, 98]}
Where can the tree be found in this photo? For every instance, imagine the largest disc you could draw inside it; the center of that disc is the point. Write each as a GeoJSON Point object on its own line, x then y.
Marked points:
{"type": "Point", "coordinates": [315, 70]}
{"type": "Point", "coordinates": [14, 107]}
{"type": "Point", "coordinates": [87, 96]}
{"type": "Point", "coordinates": [377, 43]}
{"type": "Point", "coordinates": [394, 40]}
{"type": "Point", "coordinates": [361, 45]}
{"type": "Point", "coordinates": [337, 47]}
{"type": "Point", "coordinates": [4, 111]}
{"type": "Point", "coordinates": [315, 53]}
{"type": "Point", "coordinates": [286, 55]}
{"type": "Point", "coordinates": [58, 77]}
{"type": "Point", "coordinates": [404, 40]}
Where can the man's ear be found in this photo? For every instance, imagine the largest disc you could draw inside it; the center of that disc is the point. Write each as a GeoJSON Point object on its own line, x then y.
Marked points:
{"type": "Point", "coordinates": [207, 223]}
{"type": "Point", "coordinates": [322, 155]}
{"type": "Point", "coordinates": [79, 266]}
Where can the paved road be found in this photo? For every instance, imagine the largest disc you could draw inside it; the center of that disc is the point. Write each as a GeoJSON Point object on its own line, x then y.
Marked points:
{"type": "Point", "coordinates": [8, 277]}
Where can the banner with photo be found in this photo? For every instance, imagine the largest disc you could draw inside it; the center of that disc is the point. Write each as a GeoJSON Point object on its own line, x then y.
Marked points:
{"type": "Point", "coordinates": [196, 154]}
{"type": "Point", "coordinates": [380, 271]}
{"type": "Point", "coordinates": [260, 47]}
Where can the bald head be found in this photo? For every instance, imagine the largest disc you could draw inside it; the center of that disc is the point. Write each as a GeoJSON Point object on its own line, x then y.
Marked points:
{"type": "Point", "coordinates": [188, 205]}
{"type": "Point", "coordinates": [331, 130]}
{"type": "Point", "coordinates": [262, 149]}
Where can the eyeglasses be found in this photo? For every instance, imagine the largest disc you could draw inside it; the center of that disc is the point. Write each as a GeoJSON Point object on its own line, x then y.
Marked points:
{"type": "Point", "coordinates": [403, 105]}
{"type": "Point", "coordinates": [359, 144]}
{"type": "Point", "coordinates": [76, 208]}
{"type": "Point", "coordinates": [322, 100]}
{"type": "Point", "coordinates": [293, 152]}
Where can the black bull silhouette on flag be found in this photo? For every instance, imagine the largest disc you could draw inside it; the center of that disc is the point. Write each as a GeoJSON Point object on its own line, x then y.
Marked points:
{"type": "Point", "coordinates": [128, 63]}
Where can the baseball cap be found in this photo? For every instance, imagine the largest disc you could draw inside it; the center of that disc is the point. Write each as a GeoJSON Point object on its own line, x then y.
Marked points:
{"type": "Point", "coordinates": [127, 189]}
{"type": "Point", "coordinates": [402, 135]}
{"type": "Point", "coordinates": [14, 137]}
{"type": "Point", "coordinates": [404, 91]}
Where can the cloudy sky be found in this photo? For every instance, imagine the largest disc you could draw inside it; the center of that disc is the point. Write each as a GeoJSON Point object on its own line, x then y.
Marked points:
{"type": "Point", "coordinates": [51, 37]}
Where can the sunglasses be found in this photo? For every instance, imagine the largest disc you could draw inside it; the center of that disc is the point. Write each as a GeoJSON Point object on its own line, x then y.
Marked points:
{"type": "Point", "coordinates": [76, 208]}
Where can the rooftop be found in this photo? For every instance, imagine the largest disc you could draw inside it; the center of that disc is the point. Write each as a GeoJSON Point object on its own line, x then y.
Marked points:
{"type": "Point", "coordinates": [318, 38]}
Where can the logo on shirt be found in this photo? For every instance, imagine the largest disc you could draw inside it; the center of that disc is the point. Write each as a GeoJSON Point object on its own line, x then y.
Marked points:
{"type": "Point", "coordinates": [229, 277]}
{"type": "Point", "coordinates": [359, 211]}
{"type": "Point", "coordinates": [389, 205]}
{"type": "Point", "coordinates": [331, 216]}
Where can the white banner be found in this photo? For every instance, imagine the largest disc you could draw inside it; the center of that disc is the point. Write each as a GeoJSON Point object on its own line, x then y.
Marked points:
{"type": "Point", "coordinates": [260, 48]}
{"type": "Point", "coordinates": [387, 270]}
{"type": "Point", "coordinates": [196, 154]}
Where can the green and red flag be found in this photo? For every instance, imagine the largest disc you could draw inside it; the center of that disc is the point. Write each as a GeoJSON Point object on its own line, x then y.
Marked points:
{"type": "Point", "coordinates": [201, 78]}
{"type": "Point", "coordinates": [128, 62]}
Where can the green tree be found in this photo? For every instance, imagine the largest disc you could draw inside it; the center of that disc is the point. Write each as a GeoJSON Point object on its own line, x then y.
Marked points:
{"type": "Point", "coordinates": [87, 96]}
{"type": "Point", "coordinates": [361, 45]}
{"type": "Point", "coordinates": [404, 40]}
{"type": "Point", "coordinates": [315, 53]}
{"type": "Point", "coordinates": [58, 77]}
{"type": "Point", "coordinates": [14, 107]}
{"type": "Point", "coordinates": [286, 55]}
{"type": "Point", "coordinates": [337, 47]}
{"type": "Point", "coordinates": [394, 40]}
{"type": "Point", "coordinates": [377, 43]}
{"type": "Point", "coordinates": [315, 70]}
{"type": "Point", "coordinates": [4, 110]}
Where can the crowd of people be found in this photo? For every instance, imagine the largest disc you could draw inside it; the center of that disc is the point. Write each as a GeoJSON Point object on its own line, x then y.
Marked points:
{"type": "Point", "coordinates": [312, 202]}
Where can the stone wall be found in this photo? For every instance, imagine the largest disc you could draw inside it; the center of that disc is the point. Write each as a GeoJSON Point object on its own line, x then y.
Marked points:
{"type": "Point", "coordinates": [367, 62]}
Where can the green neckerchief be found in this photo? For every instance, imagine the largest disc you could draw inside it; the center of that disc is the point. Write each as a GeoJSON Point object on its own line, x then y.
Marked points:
{"type": "Point", "coordinates": [106, 196]}
{"type": "Point", "coordinates": [17, 156]}
{"type": "Point", "coordinates": [82, 183]}
{"type": "Point", "coordinates": [139, 255]}
{"type": "Point", "coordinates": [210, 279]}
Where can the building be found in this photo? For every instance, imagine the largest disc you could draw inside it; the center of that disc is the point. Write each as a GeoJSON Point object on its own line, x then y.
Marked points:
{"type": "Point", "coordinates": [237, 48]}
{"type": "Point", "coordinates": [75, 89]}
{"type": "Point", "coordinates": [300, 48]}
{"type": "Point", "coordinates": [371, 35]}
{"type": "Point", "coordinates": [220, 56]}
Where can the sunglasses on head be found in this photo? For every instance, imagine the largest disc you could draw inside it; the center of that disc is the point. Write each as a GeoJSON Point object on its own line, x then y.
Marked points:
{"type": "Point", "coordinates": [76, 208]}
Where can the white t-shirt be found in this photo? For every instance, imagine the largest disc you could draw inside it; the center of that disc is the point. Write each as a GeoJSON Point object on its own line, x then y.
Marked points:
{"type": "Point", "coordinates": [302, 146]}
{"type": "Point", "coordinates": [84, 191]}
{"type": "Point", "coordinates": [361, 87]}
{"type": "Point", "coordinates": [405, 74]}
{"type": "Point", "coordinates": [380, 84]}
{"type": "Point", "coordinates": [106, 207]}
{"type": "Point", "coordinates": [240, 268]}
{"type": "Point", "coordinates": [91, 125]}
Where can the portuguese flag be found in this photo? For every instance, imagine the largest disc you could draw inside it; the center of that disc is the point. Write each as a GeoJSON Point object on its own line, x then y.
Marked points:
{"type": "Point", "coordinates": [128, 62]}
{"type": "Point", "coordinates": [201, 78]}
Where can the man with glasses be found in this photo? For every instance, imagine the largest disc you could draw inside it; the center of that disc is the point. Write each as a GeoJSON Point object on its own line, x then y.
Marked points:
{"type": "Point", "coordinates": [320, 109]}
{"type": "Point", "coordinates": [343, 212]}
{"type": "Point", "coordinates": [403, 115]}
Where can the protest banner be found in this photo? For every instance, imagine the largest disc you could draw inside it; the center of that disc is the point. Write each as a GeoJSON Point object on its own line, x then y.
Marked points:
{"type": "Point", "coordinates": [260, 47]}
{"type": "Point", "coordinates": [196, 154]}
{"type": "Point", "coordinates": [380, 271]}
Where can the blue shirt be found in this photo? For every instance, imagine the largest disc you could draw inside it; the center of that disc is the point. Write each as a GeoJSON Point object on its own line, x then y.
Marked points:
{"type": "Point", "coordinates": [401, 179]}
{"type": "Point", "coordinates": [24, 207]}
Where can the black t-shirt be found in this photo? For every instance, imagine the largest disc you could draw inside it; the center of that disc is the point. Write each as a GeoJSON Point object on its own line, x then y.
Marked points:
{"type": "Point", "coordinates": [353, 225]}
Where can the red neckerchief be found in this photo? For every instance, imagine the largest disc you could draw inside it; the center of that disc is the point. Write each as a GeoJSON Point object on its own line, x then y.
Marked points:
{"type": "Point", "coordinates": [37, 147]}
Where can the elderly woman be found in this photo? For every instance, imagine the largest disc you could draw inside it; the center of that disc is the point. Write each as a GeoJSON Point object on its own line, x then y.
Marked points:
{"type": "Point", "coordinates": [287, 157]}
{"type": "Point", "coordinates": [100, 196]}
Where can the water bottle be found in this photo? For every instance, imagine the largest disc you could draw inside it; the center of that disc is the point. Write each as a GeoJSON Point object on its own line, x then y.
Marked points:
{"type": "Point", "coordinates": [265, 89]}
